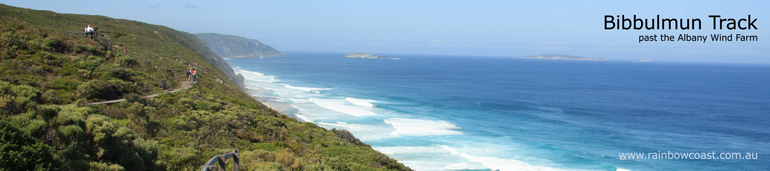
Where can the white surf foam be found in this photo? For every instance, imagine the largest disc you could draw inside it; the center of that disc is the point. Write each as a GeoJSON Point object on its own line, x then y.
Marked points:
{"type": "Point", "coordinates": [419, 127]}
{"type": "Point", "coordinates": [313, 108]}
{"type": "Point", "coordinates": [361, 102]}
{"type": "Point", "coordinates": [465, 166]}
{"type": "Point", "coordinates": [423, 157]}
{"type": "Point", "coordinates": [304, 118]}
{"type": "Point", "coordinates": [362, 131]}
{"type": "Point", "coordinates": [253, 76]}
{"type": "Point", "coordinates": [409, 149]}
{"type": "Point", "coordinates": [310, 89]}
{"type": "Point", "coordinates": [338, 124]}
{"type": "Point", "coordinates": [339, 106]}
{"type": "Point", "coordinates": [495, 163]}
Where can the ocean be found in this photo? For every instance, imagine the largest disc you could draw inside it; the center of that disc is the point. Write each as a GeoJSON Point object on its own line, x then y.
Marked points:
{"type": "Point", "coordinates": [434, 112]}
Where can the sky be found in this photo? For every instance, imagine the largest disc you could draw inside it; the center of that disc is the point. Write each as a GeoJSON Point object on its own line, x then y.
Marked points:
{"type": "Point", "coordinates": [449, 27]}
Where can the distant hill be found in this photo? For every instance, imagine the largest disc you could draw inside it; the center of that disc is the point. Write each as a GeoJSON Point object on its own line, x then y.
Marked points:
{"type": "Point", "coordinates": [563, 57]}
{"type": "Point", "coordinates": [228, 46]}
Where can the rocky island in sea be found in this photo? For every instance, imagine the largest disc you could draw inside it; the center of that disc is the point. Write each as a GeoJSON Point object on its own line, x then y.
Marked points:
{"type": "Point", "coordinates": [368, 56]}
{"type": "Point", "coordinates": [563, 57]}
{"type": "Point", "coordinates": [643, 60]}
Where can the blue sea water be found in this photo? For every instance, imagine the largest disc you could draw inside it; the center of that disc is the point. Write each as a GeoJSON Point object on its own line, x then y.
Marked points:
{"type": "Point", "coordinates": [490, 113]}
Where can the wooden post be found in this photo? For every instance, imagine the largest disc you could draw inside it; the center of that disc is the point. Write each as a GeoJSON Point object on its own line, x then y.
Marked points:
{"type": "Point", "coordinates": [221, 163]}
{"type": "Point", "coordinates": [236, 160]}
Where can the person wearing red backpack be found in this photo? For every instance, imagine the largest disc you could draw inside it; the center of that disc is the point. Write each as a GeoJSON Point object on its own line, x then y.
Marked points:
{"type": "Point", "coordinates": [194, 74]}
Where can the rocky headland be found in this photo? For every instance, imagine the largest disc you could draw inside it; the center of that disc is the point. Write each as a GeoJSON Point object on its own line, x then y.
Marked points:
{"type": "Point", "coordinates": [229, 46]}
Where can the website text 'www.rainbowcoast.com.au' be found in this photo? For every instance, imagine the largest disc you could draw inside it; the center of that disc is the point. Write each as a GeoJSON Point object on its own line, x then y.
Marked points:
{"type": "Point", "coordinates": [668, 155]}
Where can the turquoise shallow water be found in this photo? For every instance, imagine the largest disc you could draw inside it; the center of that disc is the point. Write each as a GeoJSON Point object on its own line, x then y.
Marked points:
{"type": "Point", "coordinates": [482, 113]}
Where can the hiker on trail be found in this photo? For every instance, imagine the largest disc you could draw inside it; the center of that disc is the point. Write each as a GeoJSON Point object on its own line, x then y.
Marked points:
{"type": "Point", "coordinates": [125, 50]}
{"type": "Point", "coordinates": [89, 32]}
{"type": "Point", "coordinates": [194, 74]}
{"type": "Point", "coordinates": [189, 73]}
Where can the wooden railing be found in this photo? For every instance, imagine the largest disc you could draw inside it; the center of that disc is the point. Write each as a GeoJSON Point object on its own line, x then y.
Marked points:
{"type": "Point", "coordinates": [95, 37]}
{"type": "Point", "coordinates": [218, 162]}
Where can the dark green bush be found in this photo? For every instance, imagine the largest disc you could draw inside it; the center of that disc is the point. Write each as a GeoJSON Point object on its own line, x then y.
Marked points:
{"type": "Point", "coordinates": [127, 61]}
{"type": "Point", "coordinates": [87, 65]}
{"type": "Point", "coordinates": [63, 84]}
{"type": "Point", "coordinates": [212, 107]}
{"type": "Point", "coordinates": [16, 99]}
{"type": "Point", "coordinates": [22, 152]}
{"type": "Point", "coordinates": [121, 73]}
{"type": "Point", "coordinates": [53, 44]}
{"type": "Point", "coordinates": [86, 49]}
{"type": "Point", "coordinates": [106, 90]}
{"type": "Point", "coordinates": [80, 48]}
{"type": "Point", "coordinates": [346, 136]}
{"type": "Point", "coordinates": [51, 97]}
{"type": "Point", "coordinates": [67, 70]}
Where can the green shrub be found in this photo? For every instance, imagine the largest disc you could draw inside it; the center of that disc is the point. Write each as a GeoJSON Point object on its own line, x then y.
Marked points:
{"type": "Point", "coordinates": [187, 103]}
{"type": "Point", "coordinates": [213, 107]}
{"type": "Point", "coordinates": [346, 136]}
{"type": "Point", "coordinates": [112, 89]}
{"type": "Point", "coordinates": [63, 84]}
{"type": "Point", "coordinates": [52, 60]}
{"type": "Point", "coordinates": [92, 49]}
{"type": "Point", "coordinates": [180, 157]}
{"type": "Point", "coordinates": [53, 44]}
{"type": "Point", "coordinates": [127, 61]}
{"type": "Point", "coordinates": [47, 112]}
{"type": "Point", "coordinates": [15, 42]}
{"type": "Point", "coordinates": [34, 45]}
{"type": "Point", "coordinates": [22, 152]}
{"type": "Point", "coordinates": [105, 166]}
{"type": "Point", "coordinates": [264, 146]}
{"type": "Point", "coordinates": [80, 48]}
{"type": "Point", "coordinates": [67, 70]}
{"type": "Point", "coordinates": [15, 99]}
{"type": "Point", "coordinates": [87, 65]}
{"type": "Point", "coordinates": [50, 97]}
{"type": "Point", "coordinates": [121, 73]}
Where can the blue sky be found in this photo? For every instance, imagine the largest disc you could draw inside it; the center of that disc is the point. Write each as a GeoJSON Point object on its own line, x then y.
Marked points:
{"type": "Point", "coordinates": [485, 28]}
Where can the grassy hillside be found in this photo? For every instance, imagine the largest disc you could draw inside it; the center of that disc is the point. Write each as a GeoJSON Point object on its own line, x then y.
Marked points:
{"type": "Point", "coordinates": [48, 77]}
{"type": "Point", "coordinates": [230, 46]}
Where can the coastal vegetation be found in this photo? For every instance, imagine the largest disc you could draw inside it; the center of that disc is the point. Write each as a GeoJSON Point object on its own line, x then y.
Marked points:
{"type": "Point", "coordinates": [50, 72]}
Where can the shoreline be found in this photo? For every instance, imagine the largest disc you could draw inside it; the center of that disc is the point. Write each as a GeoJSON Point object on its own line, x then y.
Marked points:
{"type": "Point", "coordinates": [280, 108]}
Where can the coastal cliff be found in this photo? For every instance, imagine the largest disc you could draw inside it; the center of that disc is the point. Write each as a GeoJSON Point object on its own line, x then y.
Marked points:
{"type": "Point", "coordinates": [229, 46]}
